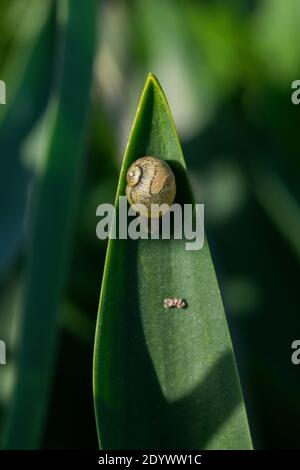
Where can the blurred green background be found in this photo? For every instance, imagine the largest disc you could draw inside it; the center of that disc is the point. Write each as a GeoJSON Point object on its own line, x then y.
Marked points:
{"type": "Point", "coordinates": [226, 68]}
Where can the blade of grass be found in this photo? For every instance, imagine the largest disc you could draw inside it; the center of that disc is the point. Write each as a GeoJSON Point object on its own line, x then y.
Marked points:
{"type": "Point", "coordinates": [53, 214]}
{"type": "Point", "coordinates": [27, 75]}
{"type": "Point", "coordinates": [163, 379]}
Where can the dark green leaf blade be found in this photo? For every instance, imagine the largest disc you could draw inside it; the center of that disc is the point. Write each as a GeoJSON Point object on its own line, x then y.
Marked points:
{"type": "Point", "coordinates": [163, 379]}
{"type": "Point", "coordinates": [28, 75]}
{"type": "Point", "coordinates": [52, 225]}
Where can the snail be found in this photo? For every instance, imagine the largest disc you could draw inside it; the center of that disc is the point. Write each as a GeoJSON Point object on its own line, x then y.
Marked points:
{"type": "Point", "coordinates": [150, 181]}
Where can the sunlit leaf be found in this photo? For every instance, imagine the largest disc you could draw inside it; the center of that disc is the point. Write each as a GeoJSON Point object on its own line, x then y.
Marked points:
{"type": "Point", "coordinates": [163, 379]}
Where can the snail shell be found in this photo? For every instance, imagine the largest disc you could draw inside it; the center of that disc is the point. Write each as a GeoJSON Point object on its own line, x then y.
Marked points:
{"type": "Point", "coordinates": [150, 181]}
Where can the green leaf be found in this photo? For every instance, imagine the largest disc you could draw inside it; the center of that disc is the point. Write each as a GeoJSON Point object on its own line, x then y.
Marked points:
{"type": "Point", "coordinates": [163, 379]}
{"type": "Point", "coordinates": [27, 75]}
{"type": "Point", "coordinates": [53, 214]}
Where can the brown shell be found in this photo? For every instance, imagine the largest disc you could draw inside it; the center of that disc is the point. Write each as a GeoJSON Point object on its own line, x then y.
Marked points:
{"type": "Point", "coordinates": [150, 181]}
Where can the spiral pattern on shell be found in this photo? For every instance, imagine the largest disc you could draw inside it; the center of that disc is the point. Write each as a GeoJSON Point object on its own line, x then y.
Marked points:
{"type": "Point", "coordinates": [150, 181]}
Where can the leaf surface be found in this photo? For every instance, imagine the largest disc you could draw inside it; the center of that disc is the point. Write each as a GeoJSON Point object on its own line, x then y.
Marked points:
{"type": "Point", "coordinates": [163, 378]}
{"type": "Point", "coordinates": [52, 221]}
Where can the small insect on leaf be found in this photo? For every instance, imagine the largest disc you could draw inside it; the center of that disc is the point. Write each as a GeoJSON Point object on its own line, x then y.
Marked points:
{"type": "Point", "coordinates": [175, 303]}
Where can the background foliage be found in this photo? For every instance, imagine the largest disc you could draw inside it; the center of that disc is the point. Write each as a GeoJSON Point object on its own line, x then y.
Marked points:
{"type": "Point", "coordinates": [227, 69]}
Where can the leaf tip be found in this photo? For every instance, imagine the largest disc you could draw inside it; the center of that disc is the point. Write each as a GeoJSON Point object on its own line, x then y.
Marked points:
{"type": "Point", "coordinates": [152, 77]}
{"type": "Point", "coordinates": [153, 80]}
